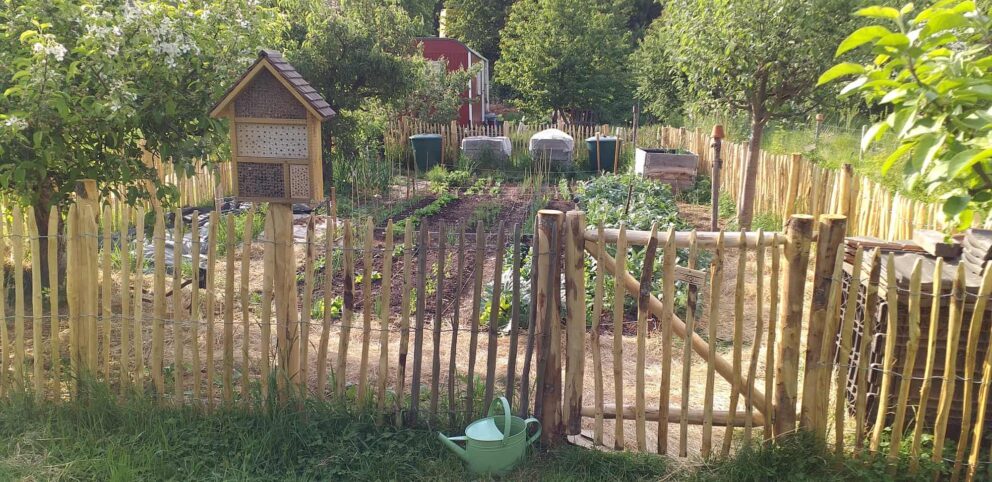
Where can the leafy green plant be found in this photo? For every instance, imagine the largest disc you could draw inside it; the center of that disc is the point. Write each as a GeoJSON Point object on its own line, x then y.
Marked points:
{"type": "Point", "coordinates": [427, 211]}
{"type": "Point", "coordinates": [486, 213]}
{"type": "Point", "coordinates": [932, 70]}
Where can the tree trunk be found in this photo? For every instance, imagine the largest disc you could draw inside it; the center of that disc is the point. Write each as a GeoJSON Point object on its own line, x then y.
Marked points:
{"type": "Point", "coordinates": [745, 208]}
{"type": "Point", "coordinates": [42, 214]}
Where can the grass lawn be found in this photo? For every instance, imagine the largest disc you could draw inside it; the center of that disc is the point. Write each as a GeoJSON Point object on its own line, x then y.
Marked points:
{"type": "Point", "coordinates": [105, 440]}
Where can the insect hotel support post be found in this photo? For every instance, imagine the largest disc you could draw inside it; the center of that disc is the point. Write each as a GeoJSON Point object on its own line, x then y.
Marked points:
{"type": "Point", "coordinates": [275, 125]}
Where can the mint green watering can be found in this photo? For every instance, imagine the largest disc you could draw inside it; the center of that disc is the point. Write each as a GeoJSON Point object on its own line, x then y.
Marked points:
{"type": "Point", "coordinates": [495, 444]}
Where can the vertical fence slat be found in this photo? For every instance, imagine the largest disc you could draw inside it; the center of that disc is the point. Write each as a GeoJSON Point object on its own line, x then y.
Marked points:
{"type": "Point", "coordinates": [668, 317]}
{"type": "Point", "coordinates": [455, 322]}
{"type": "Point", "coordinates": [831, 328]}
{"type": "Point", "coordinates": [716, 283]}
{"type": "Point", "coordinates": [908, 363]}
{"type": "Point", "coordinates": [889, 355]}
{"type": "Point", "coordinates": [844, 357]}
{"type": "Point", "coordinates": [575, 305]}
{"type": "Point", "coordinates": [325, 332]}
{"type": "Point", "coordinates": [17, 244]}
{"type": "Point", "coordinates": [228, 376]}
{"type": "Point", "coordinates": [4, 334]}
{"type": "Point", "coordinates": [309, 258]}
{"type": "Point", "coordinates": [494, 315]}
{"type": "Point", "coordinates": [139, 283]}
{"type": "Point", "coordinates": [177, 305]}
{"type": "Point", "coordinates": [53, 303]}
{"type": "Point", "coordinates": [926, 383]}
{"type": "Point", "coordinates": [971, 353]}
{"type": "Point", "coordinates": [348, 308]}
{"type": "Point", "coordinates": [759, 331]}
{"type": "Point", "coordinates": [597, 355]}
{"type": "Point", "coordinates": [265, 316]}
{"type": "Point", "coordinates": [158, 327]}
{"type": "Point", "coordinates": [194, 303]}
{"type": "Point", "coordinates": [91, 240]}
{"type": "Point", "coordinates": [404, 320]}
{"type": "Point", "coordinates": [950, 363]}
{"type": "Point", "coordinates": [773, 289]}
{"type": "Point", "coordinates": [106, 289]}
{"type": "Point", "coordinates": [386, 298]}
{"type": "Point", "coordinates": [618, 296]}
{"type": "Point", "coordinates": [246, 236]}
{"type": "Point", "coordinates": [531, 333]}
{"type": "Point", "coordinates": [983, 394]}
{"type": "Point", "coordinates": [692, 301]}
{"type": "Point", "coordinates": [363, 366]}
{"type": "Point", "coordinates": [647, 270]}
{"type": "Point", "coordinates": [867, 334]}
{"type": "Point", "coordinates": [442, 241]}
{"type": "Point", "coordinates": [211, 294]}
{"type": "Point", "coordinates": [735, 388]}
{"type": "Point", "coordinates": [511, 362]}
{"type": "Point", "coordinates": [480, 256]}
{"type": "Point", "coordinates": [418, 338]}
{"type": "Point", "coordinates": [37, 308]}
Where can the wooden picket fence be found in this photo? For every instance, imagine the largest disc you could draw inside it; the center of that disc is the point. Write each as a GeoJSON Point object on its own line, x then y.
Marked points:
{"type": "Point", "coordinates": [787, 183]}
{"type": "Point", "coordinates": [402, 345]}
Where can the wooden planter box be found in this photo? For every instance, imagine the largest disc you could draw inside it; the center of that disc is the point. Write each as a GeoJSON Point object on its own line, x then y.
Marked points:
{"type": "Point", "coordinates": [672, 166]}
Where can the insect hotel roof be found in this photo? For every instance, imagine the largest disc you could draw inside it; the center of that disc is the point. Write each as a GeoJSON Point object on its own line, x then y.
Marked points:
{"type": "Point", "coordinates": [276, 118]}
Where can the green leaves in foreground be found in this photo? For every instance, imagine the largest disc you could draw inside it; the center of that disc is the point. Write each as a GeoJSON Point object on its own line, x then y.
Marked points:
{"type": "Point", "coordinates": [931, 72]}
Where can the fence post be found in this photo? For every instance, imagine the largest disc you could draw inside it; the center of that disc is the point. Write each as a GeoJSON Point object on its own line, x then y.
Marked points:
{"type": "Point", "coordinates": [793, 192]}
{"type": "Point", "coordinates": [799, 232]}
{"type": "Point", "coordinates": [549, 227]}
{"type": "Point", "coordinates": [715, 178]}
{"type": "Point", "coordinates": [81, 246]}
{"type": "Point", "coordinates": [575, 319]}
{"type": "Point", "coordinates": [828, 245]}
{"type": "Point", "coordinates": [847, 193]}
{"type": "Point", "coordinates": [280, 220]}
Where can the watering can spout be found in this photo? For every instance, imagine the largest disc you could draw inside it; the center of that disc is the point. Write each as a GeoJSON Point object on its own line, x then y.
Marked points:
{"type": "Point", "coordinates": [450, 443]}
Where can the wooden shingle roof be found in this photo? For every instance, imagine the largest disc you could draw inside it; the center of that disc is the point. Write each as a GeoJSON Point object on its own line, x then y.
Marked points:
{"type": "Point", "coordinates": [277, 64]}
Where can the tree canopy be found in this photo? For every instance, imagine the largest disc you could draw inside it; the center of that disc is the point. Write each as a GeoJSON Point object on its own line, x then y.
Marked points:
{"type": "Point", "coordinates": [478, 23]}
{"type": "Point", "coordinates": [761, 56]}
{"type": "Point", "coordinates": [87, 84]}
{"type": "Point", "coordinates": [566, 55]}
{"type": "Point", "coordinates": [932, 69]}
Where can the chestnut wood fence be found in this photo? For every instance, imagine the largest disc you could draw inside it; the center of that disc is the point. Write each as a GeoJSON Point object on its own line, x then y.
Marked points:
{"type": "Point", "coordinates": [400, 326]}
{"type": "Point", "coordinates": [786, 183]}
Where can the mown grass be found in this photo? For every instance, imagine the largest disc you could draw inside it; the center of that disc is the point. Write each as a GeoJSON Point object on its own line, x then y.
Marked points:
{"type": "Point", "coordinates": [103, 439]}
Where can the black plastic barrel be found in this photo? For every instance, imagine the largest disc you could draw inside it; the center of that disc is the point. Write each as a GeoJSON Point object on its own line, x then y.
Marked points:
{"type": "Point", "coordinates": [426, 150]}
{"type": "Point", "coordinates": [602, 159]}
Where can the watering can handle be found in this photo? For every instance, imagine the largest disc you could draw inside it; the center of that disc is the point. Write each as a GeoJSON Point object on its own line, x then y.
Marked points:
{"type": "Point", "coordinates": [450, 443]}
{"type": "Point", "coordinates": [536, 434]}
{"type": "Point", "coordinates": [506, 414]}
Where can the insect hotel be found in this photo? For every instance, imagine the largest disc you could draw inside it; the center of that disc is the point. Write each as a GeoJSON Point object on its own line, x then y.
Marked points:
{"type": "Point", "coordinates": [275, 118]}
{"type": "Point", "coordinates": [276, 149]}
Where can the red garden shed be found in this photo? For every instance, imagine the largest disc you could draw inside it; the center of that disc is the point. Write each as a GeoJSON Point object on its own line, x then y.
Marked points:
{"type": "Point", "coordinates": [460, 56]}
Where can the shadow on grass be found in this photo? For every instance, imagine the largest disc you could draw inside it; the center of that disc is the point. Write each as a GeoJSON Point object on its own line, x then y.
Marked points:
{"type": "Point", "coordinates": [101, 438]}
